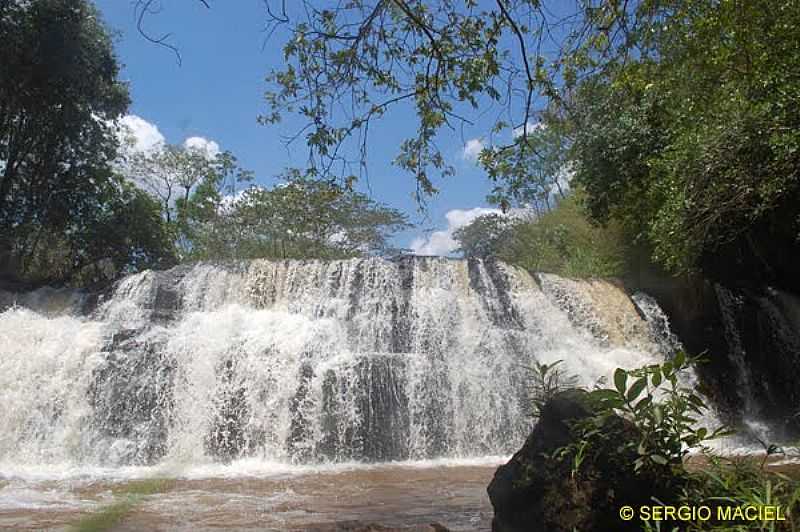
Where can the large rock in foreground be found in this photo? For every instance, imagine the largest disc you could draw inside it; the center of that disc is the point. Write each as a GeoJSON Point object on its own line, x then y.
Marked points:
{"type": "Point", "coordinates": [536, 492]}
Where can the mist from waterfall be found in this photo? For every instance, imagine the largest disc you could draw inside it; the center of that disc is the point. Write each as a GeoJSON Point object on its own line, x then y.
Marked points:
{"type": "Point", "coordinates": [300, 362]}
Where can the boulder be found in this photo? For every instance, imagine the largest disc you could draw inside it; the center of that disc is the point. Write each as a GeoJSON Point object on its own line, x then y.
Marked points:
{"type": "Point", "coordinates": [534, 491]}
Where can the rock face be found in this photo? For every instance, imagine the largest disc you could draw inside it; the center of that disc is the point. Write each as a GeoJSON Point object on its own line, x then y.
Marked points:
{"type": "Point", "coordinates": [749, 335]}
{"type": "Point", "coordinates": [741, 310]}
{"type": "Point", "coordinates": [534, 492]}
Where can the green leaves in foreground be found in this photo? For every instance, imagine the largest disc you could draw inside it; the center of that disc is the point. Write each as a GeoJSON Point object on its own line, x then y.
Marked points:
{"type": "Point", "coordinates": [664, 411]}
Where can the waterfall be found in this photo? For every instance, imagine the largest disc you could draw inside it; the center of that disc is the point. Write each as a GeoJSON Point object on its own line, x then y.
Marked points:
{"type": "Point", "coordinates": [761, 332]}
{"type": "Point", "coordinates": [658, 322]}
{"type": "Point", "coordinates": [300, 361]}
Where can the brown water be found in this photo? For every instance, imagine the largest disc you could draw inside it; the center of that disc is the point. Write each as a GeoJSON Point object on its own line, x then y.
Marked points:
{"type": "Point", "coordinates": [394, 496]}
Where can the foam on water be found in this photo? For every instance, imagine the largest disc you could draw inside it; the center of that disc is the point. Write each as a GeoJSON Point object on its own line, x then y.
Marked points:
{"type": "Point", "coordinates": [264, 367]}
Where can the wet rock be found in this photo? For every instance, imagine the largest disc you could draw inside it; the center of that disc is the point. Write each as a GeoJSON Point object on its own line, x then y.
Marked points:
{"type": "Point", "coordinates": [534, 492]}
{"type": "Point", "coordinates": [131, 399]}
{"type": "Point", "coordinates": [228, 438]}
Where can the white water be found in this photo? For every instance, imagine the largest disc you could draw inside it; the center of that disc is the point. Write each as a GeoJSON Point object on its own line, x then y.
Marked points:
{"type": "Point", "coordinates": [270, 366]}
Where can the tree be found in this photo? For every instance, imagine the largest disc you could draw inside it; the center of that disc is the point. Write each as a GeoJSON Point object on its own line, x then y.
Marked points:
{"type": "Point", "coordinates": [534, 175]}
{"type": "Point", "coordinates": [124, 234]}
{"type": "Point", "coordinates": [59, 94]}
{"type": "Point", "coordinates": [485, 236]}
{"type": "Point", "coordinates": [699, 147]}
{"type": "Point", "coordinates": [346, 65]}
{"type": "Point", "coordinates": [188, 184]}
{"type": "Point", "coordinates": [169, 173]}
{"type": "Point", "coordinates": [679, 118]}
{"type": "Point", "coordinates": [562, 241]}
{"type": "Point", "coordinates": [301, 218]}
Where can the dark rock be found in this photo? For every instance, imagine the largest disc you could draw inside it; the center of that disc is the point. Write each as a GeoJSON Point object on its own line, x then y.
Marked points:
{"type": "Point", "coordinates": [742, 311]}
{"type": "Point", "coordinates": [299, 407]}
{"type": "Point", "coordinates": [535, 492]}
{"type": "Point", "coordinates": [228, 438]}
{"type": "Point", "coordinates": [749, 336]}
{"type": "Point", "coordinates": [131, 397]}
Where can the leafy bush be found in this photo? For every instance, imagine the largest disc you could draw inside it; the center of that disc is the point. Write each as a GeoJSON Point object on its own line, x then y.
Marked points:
{"type": "Point", "coordinates": [663, 414]}
{"type": "Point", "coordinates": [561, 241]}
{"type": "Point", "coordinates": [742, 482]}
{"type": "Point", "coordinates": [546, 381]}
{"type": "Point", "coordinates": [697, 145]}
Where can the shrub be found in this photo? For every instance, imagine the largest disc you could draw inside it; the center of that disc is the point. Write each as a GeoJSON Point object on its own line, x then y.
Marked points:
{"type": "Point", "coordinates": [561, 241]}
{"type": "Point", "coordinates": [664, 415]}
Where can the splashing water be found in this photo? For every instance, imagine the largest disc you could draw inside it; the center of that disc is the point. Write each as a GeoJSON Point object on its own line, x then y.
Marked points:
{"type": "Point", "coordinates": [301, 362]}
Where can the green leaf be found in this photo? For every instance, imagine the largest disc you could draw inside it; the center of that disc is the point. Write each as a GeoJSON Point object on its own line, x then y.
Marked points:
{"type": "Point", "coordinates": [604, 395]}
{"type": "Point", "coordinates": [644, 403]}
{"type": "Point", "coordinates": [658, 414]}
{"type": "Point", "coordinates": [620, 379]}
{"type": "Point", "coordinates": [657, 377]}
{"type": "Point", "coordinates": [680, 359]}
{"type": "Point", "coordinates": [636, 389]}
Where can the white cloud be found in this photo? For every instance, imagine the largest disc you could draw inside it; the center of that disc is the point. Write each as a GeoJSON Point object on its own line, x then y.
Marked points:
{"type": "Point", "coordinates": [532, 126]}
{"type": "Point", "coordinates": [202, 144]}
{"type": "Point", "coordinates": [472, 149]}
{"type": "Point", "coordinates": [142, 135]}
{"type": "Point", "coordinates": [442, 242]}
{"type": "Point", "coordinates": [137, 135]}
{"type": "Point", "coordinates": [230, 201]}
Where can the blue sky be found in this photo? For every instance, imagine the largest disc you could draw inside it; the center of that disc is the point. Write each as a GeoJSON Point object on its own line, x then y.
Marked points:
{"type": "Point", "coordinates": [217, 93]}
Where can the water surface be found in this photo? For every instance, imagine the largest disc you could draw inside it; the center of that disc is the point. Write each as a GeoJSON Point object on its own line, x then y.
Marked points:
{"type": "Point", "coordinates": [404, 496]}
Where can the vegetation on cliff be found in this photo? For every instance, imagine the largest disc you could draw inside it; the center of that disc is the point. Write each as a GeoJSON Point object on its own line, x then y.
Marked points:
{"type": "Point", "coordinates": [562, 240]}
{"type": "Point", "coordinates": [594, 452]}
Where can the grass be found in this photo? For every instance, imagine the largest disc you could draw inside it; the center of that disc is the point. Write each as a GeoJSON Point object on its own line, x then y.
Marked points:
{"type": "Point", "coordinates": [130, 495]}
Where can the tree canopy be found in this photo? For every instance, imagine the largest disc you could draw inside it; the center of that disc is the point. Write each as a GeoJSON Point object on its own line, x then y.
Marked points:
{"type": "Point", "coordinates": [59, 97]}
{"type": "Point", "coordinates": [301, 218]}
{"type": "Point", "coordinates": [697, 146]}
{"type": "Point", "coordinates": [678, 118]}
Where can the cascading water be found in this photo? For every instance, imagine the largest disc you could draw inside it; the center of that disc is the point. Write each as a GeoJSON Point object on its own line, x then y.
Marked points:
{"type": "Point", "coordinates": [761, 332]}
{"type": "Point", "coordinates": [658, 321]}
{"type": "Point", "coordinates": [301, 361]}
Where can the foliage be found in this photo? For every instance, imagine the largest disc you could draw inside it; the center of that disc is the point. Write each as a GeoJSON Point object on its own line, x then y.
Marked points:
{"type": "Point", "coordinates": [534, 174]}
{"type": "Point", "coordinates": [189, 186]}
{"type": "Point", "coordinates": [545, 382]}
{"type": "Point", "coordinates": [678, 118]}
{"type": "Point", "coordinates": [664, 411]}
{"type": "Point", "coordinates": [169, 173]}
{"type": "Point", "coordinates": [485, 236]}
{"type": "Point", "coordinates": [662, 419]}
{"type": "Point", "coordinates": [561, 241]}
{"type": "Point", "coordinates": [124, 233]}
{"type": "Point", "coordinates": [303, 218]}
{"type": "Point", "coordinates": [347, 65]}
{"type": "Point", "coordinates": [652, 400]}
{"type": "Point", "coordinates": [64, 215]}
{"type": "Point", "coordinates": [740, 482]}
{"type": "Point", "coordinates": [695, 146]}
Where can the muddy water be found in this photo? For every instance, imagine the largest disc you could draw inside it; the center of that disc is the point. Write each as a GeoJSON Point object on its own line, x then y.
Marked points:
{"type": "Point", "coordinates": [393, 496]}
